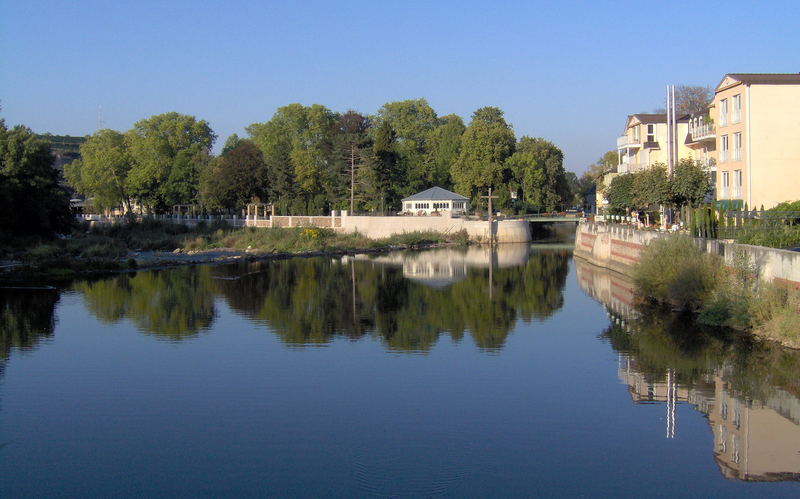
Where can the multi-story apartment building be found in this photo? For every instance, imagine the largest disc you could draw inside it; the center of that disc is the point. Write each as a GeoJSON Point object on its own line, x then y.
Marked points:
{"type": "Point", "coordinates": [645, 141]}
{"type": "Point", "coordinates": [757, 138]}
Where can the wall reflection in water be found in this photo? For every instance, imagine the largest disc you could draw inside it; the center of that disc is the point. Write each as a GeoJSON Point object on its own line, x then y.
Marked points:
{"type": "Point", "coordinates": [749, 391]}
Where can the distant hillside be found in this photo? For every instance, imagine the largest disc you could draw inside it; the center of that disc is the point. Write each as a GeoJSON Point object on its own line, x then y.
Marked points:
{"type": "Point", "coordinates": [66, 148]}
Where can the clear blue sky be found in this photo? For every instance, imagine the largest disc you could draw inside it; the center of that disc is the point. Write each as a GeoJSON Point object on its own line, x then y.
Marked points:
{"type": "Point", "coordinates": [566, 71]}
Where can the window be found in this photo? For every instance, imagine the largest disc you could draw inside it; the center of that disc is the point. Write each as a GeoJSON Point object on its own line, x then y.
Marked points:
{"type": "Point", "coordinates": [737, 146]}
{"type": "Point", "coordinates": [723, 191]}
{"type": "Point", "coordinates": [737, 184]}
{"type": "Point", "coordinates": [723, 150]}
{"type": "Point", "coordinates": [736, 112]}
{"type": "Point", "coordinates": [723, 112]}
{"type": "Point", "coordinates": [651, 133]}
{"type": "Point", "coordinates": [636, 134]}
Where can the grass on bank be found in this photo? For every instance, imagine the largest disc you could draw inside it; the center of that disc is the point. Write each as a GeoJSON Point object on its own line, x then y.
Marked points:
{"type": "Point", "coordinates": [675, 272]}
{"type": "Point", "coordinates": [299, 240]}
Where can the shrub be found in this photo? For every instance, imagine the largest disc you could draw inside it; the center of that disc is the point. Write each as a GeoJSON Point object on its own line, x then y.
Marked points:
{"type": "Point", "coordinates": [673, 270]}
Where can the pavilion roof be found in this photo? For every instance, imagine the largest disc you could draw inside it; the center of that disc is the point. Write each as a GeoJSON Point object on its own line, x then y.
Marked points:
{"type": "Point", "coordinates": [436, 194]}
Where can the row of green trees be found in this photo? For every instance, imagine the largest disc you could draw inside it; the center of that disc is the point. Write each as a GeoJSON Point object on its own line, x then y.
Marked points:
{"type": "Point", "coordinates": [31, 199]}
{"type": "Point", "coordinates": [648, 190]}
{"type": "Point", "coordinates": [309, 159]}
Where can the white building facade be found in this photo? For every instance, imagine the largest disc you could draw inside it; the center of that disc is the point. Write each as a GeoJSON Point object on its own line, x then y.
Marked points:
{"type": "Point", "coordinates": [435, 201]}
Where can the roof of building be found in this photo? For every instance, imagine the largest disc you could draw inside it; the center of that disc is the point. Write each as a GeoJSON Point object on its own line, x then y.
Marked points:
{"type": "Point", "coordinates": [766, 78]}
{"type": "Point", "coordinates": [654, 118]}
{"type": "Point", "coordinates": [436, 194]}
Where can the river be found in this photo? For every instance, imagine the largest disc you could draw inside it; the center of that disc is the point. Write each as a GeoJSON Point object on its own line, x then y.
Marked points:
{"type": "Point", "coordinates": [449, 372]}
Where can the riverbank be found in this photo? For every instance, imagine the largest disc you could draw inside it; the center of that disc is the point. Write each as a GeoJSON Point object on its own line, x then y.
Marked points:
{"type": "Point", "coordinates": [151, 245]}
{"type": "Point", "coordinates": [741, 287]}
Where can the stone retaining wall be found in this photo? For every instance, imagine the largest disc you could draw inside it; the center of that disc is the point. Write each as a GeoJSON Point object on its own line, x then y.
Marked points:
{"type": "Point", "coordinates": [505, 231]}
{"type": "Point", "coordinates": [618, 247]}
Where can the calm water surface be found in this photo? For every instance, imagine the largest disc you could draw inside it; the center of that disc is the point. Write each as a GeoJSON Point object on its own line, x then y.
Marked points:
{"type": "Point", "coordinates": [455, 373]}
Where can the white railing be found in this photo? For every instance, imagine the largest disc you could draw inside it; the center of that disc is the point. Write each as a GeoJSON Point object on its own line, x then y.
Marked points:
{"type": "Point", "coordinates": [631, 167]}
{"type": "Point", "coordinates": [624, 141]}
{"type": "Point", "coordinates": [704, 131]}
{"type": "Point", "coordinates": [233, 221]}
{"type": "Point", "coordinates": [722, 193]}
{"type": "Point", "coordinates": [737, 192]}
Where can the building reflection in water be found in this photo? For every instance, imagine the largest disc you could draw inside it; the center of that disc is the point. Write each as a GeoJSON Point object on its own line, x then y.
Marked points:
{"type": "Point", "coordinates": [754, 438]}
{"type": "Point", "coordinates": [441, 267]}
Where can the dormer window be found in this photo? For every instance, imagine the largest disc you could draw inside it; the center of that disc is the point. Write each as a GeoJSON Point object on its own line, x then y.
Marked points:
{"type": "Point", "coordinates": [651, 133]}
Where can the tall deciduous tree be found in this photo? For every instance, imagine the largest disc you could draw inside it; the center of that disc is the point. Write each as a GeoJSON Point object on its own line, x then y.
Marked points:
{"type": "Point", "coordinates": [620, 193]}
{"type": "Point", "coordinates": [235, 178]}
{"type": "Point", "coordinates": [298, 144]}
{"type": "Point", "coordinates": [691, 99]}
{"type": "Point", "coordinates": [31, 199]}
{"type": "Point", "coordinates": [537, 168]}
{"type": "Point", "coordinates": [412, 122]}
{"type": "Point", "coordinates": [443, 146]}
{"type": "Point", "coordinates": [102, 172]}
{"type": "Point", "coordinates": [651, 188]}
{"type": "Point", "coordinates": [486, 144]}
{"type": "Point", "coordinates": [689, 183]}
{"type": "Point", "coordinates": [169, 151]}
{"type": "Point", "coordinates": [384, 177]}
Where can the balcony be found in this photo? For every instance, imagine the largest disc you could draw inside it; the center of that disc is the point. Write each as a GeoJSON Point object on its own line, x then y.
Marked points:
{"type": "Point", "coordinates": [737, 192]}
{"type": "Point", "coordinates": [722, 193]}
{"type": "Point", "coordinates": [706, 131]}
{"type": "Point", "coordinates": [630, 167]}
{"type": "Point", "coordinates": [627, 143]}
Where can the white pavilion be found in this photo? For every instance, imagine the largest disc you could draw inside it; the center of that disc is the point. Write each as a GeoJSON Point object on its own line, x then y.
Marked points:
{"type": "Point", "coordinates": [435, 200]}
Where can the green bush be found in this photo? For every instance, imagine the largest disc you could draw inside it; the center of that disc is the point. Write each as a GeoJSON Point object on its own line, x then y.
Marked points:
{"type": "Point", "coordinates": [674, 271]}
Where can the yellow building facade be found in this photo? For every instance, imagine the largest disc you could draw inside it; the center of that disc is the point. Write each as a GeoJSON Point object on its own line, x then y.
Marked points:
{"type": "Point", "coordinates": [757, 138]}
{"type": "Point", "coordinates": [644, 142]}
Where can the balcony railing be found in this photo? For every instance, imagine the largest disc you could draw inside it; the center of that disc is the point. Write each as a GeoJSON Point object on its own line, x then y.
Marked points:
{"type": "Point", "coordinates": [737, 192]}
{"type": "Point", "coordinates": [703, 132]}
{"type": "Point", "coordinates": [625, 141]}
{"type": "Point", "coordinates": [631, 167]}
{"type": "Point", "coordinates": [722, 193]}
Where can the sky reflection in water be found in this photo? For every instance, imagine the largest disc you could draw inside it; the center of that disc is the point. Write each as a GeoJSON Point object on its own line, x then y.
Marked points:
{"type": "Point", "coordinates": [441, 375]}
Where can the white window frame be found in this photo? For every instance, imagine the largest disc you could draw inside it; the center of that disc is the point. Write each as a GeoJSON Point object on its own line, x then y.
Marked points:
{"type": "Point", "coordinates": [723, 112]}
{"type": "Point", "coordinates": [737, 184]}
{"type": "Point", "coordinates": [736, 112]}
{"type": "Point", "coordinates": [723, 149]}
{"type": "Point", "coordinates": [737, 146]}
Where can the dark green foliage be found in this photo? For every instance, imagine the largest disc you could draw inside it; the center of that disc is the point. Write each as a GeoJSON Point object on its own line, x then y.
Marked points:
{"type": "Point", "coordinates": [237, 177]}
{"type": "Point", "coordinates": [651, 188]}
{"type": "Point", "coordinates": [537, 169]}
{"type": "Point", "coordinates": [31, 199]}
{"type": "Point", "coordinates": [486, 144]}
{"type": "Point", "coordinates": [673, 270]}
{"type": "Point", "coordinates": [620, 193]}
{"type": "Point", "coordinates": [689, 183]}
{"type": "Point", "coordinates": [168, 153]}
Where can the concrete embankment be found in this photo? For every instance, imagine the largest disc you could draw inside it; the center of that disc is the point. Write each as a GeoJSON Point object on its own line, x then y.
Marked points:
{"type": "Point", "coordinates": [375, 227]}
{"type": "Point", "coordinates": [619, 247]}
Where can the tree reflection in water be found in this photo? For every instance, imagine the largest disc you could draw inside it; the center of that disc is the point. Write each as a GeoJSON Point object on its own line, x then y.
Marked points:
{"type": "Point", "coordinates": [171, 304]}
{"type": "Point", "coordinates": [26, 316]}
{"type": "Point", "coordinates": [749, 390]}
{"type": "Point", "coordinates": [310, 301]}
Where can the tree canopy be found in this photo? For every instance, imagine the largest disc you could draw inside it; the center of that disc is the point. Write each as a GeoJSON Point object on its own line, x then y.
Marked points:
{"type": "Point", "coordinates": [314, 160]}
{"type": "Point", "coordinates": [537, 168]}
{"type": "Point", "coordinates": [487, 142]}
{"type": "Point", "coordinates": [31, 199]}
